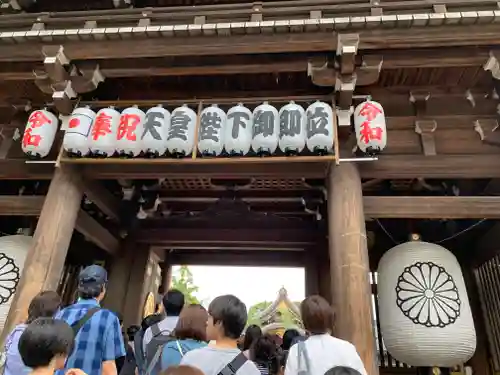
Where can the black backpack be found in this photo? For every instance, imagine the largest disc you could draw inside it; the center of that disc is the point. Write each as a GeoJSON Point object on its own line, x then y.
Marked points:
{"type": "Point", "coordinates": [129, 364]}
{"type": "Point", "coordinates": [154, 349]}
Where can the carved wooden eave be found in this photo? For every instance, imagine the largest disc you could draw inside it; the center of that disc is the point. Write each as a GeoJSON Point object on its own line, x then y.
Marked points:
{"type": "Point", "coordinates": [277, 326]}
{"type": "Point", "coordinates": [63, 80]}
{"type": "Point", "coordinates": [493, 65]}
{"type": "Point", "coordinates": [282, 297]}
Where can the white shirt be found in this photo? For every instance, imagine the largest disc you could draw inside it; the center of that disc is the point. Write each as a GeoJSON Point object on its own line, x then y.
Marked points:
{"type": "Point", "coordinates": [324, 352]}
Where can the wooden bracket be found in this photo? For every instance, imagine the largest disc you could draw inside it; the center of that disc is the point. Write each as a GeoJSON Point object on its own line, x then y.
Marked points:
{"type": "Point", "coordinates": [426, 129]}
{"type": "Point", "coordinates": [86, 79]}
{"type": "Point", "coordinates": [369, 71]}
{"type": "Point", "coordinates": [492, 65]}
{"type": "Point", "coordinates": [344, 86]}
{"type": "Point", "coordinates": [321, 73]}
{"type": "Point", "coordinates": [439, 8]}
{"type": "Point", "coordinates": [347, 48]}
{"type": "Point", "coordinates": [256, 15]}
{"type": "Point", "coordinates": [487, 131]}
{"type": "Point", "coordinates": [62, 99]}
{"type": "Point", "coordinates": [344, 116]}
{"type": "Point", "coordinates": [419, 99]}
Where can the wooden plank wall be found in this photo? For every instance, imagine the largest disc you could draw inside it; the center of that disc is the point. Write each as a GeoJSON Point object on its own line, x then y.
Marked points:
{"type": "Point", "coordinates": [487, 277]}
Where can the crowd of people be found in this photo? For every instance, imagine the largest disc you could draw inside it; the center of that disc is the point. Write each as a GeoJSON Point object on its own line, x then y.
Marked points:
{"type": "Point", "coordinates": [180, 339]}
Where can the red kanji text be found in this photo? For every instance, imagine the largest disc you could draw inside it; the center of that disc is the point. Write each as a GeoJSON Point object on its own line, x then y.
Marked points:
{"type": "Point", "coordinates": [102, 126]}
{"type": "Point", "coordinates": [38, 119]}
{"type": "Point", "coordinates": [128, 124]}
{"type": "Point", "coordinates": [369, 111]}
{"type": "Point", "coordinates": [31, 139]}
{"type": "Point", "coordinates": [367, 133]}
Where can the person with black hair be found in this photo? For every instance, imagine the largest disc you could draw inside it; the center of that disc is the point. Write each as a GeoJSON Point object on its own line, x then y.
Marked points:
{"type": "Point", "coordinates": [252, 333]}
{"type": "Point", "coordinates": [289, 338]}
{"type": "Point", "coordinates": [227, 316]}
{"type": "Point", "coordinates": [173, 303]}
{"type": "Point", "coordinates": [44, 305]}
{"type": "Point", "coordinates": [45, 345]}
{"type": "Point", "coordinates": [264, 353]}
{"type": "Point", "coordinates": [98, 338]}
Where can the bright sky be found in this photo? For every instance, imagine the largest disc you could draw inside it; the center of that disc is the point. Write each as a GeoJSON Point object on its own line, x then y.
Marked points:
{"type": "Point", "coordinates": [250, 284]}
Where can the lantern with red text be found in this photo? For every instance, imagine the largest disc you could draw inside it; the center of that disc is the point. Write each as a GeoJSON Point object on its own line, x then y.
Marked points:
{"type": "Point", "coordinates": [102, 139]}
{"type": "Point", "coordinates": [128, 136]}
{"type": "Point", "coordinates": [238, 137]}
{"type": "Point", "coordinates": [369, 124]}
{"type": "Point", "coordinates": [75, 141]}
{"type": "Point", "coordinates": [266, 129]}
{"type": "Point", "coordinates": [180, 140]}
{"type": "Point", "coordinates": [319, 128]}
{"type": "Point", "coordinates": [211, 131]}
{"type": "Point", "coordinates": [155, 133]}
{"type": "Point", "coordinates": [39, 134]}
{"type": "Point", "coordinates": [292, 129]}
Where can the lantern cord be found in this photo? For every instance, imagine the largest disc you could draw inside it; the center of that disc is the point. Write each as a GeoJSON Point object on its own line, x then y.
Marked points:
{"type": "Point", "coordinates": [462, 231]}
{"type": "Point", "coordinates": [437, 242]}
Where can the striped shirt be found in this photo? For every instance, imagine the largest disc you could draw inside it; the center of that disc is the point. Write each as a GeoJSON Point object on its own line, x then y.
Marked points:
{"type": "Point", "coordinates": [100, 338]}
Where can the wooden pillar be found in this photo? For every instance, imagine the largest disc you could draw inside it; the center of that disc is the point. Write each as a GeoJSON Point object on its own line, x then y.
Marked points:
{"type": "Point", "coordinates": [45, 260]}
{"type": "Point", "coordinates": [119, 276]}
{"type": "Point", "coordinates": [349, 262]}
{"type": "Point", "coordinates": [311, 273]}
{"type": "Point", "coordinates": [145, 278]}
{"type": "Point", "coordinates": [166, 273]}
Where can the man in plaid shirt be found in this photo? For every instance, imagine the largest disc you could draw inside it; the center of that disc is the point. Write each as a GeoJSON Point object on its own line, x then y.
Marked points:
{"type": "Point", "coordinates": [99, 341]}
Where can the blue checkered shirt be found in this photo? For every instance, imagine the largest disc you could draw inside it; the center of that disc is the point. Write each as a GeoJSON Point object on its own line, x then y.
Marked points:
{"type": "Point", "coordinates": [100, 338]}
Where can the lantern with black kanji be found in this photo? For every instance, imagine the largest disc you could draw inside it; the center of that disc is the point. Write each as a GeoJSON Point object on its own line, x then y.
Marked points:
{"type": "Point", "coordinates": [180, 140]}
{"type": "Point", "coordinates": [319, 128]}
{"type": "Point", "coordinates": [266, 129]}
{"type": "Point", "coordinates": [369, 124]}
{"type": "Point", "coordinates": [128, 136]}
{"type": "Point", "coordinates": [238, 132]}
{"type": "Point", "coordinates": [39, 133]}
{"type": "Point", "coordinates": [424, 307]}
{"type": "Point", "coordinates": [75, 141]}
{"type": "Point", "coordinates": [155, 133]}
{"type": "Point", "coordinates": [102, 139]}
{"type": "Point", "coordinates": [292, 129]}
{"type": "Point", "coordinates": [211, 131]}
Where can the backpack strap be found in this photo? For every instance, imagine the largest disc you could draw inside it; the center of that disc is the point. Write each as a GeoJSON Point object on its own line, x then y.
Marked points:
{"type": "Point", "coordinates": [179, 348]}
{"type": "Point", "coordinates": [151, 367]}
{"type": "Point", "coordinates": [232, 367]}
{"type": "Point", "coordinates": [155, 330]}
{"type": "Point", "coordinates": [76, 326]}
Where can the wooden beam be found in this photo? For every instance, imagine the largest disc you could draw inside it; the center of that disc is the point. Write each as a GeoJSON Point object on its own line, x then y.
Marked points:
{"type": "Point", "coordinates": [172, 237]}
{"type": "Point", "coordinates": [102, 198]}
{"type": "Point", "coordinates": [18, 169]}
{"type": "Point", "coordinates": [372, 39]}
{"type": "Point", "coordinates": [413, 207]}
{"type": "Point", "coordinates": [96, 233]}
{"type": "Point", "coordinates": [259, 258]}
{"type": "Point", "coordinates": [22, 205]}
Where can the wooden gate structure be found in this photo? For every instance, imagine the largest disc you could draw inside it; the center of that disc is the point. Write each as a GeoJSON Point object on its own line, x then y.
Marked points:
{"type": "Point", "coordinates": [431, 64]}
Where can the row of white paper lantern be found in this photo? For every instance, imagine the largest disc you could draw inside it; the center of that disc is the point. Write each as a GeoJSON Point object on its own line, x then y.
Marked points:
{"type": "Point", "coordinates": [158, 131]}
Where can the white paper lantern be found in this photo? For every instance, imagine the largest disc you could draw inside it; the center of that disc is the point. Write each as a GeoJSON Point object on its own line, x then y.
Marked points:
{"type": "Point", "coordinates": [155, 133]}
{"type": "Point", "coordinates": [425, 316]}
{"type": "Point", "coordinates": [292, 129]}
{"type": "Point", "coordinates": [211, 131]}
{"type": "Point", "coordinates": [102, 139]}
{"type": "Point", "coordinates": [266, 129]}
{"type": "Point", "coordinates": [180, 139]}
{"type": "Point", "coordinates": [238, 132]}
{"type": "Point", "coordinates": [13, 251]}
{"type": "Point", "coordinates": [369, 124]}
{"type": "Point", "coordinates": [128, 136]}
{"type": "Point", "coordinates": [39, 133]}
{"type": "Point", "coordinates": [75, 140]}
{"type": "Point", "coordinates": [319, 128]}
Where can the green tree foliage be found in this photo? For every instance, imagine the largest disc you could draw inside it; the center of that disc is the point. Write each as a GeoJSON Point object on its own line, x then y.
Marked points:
{"type": "Point", "coordinates": [182, 280]}
{"type": "Point", "coordinates": [255, 311]}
